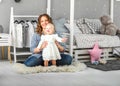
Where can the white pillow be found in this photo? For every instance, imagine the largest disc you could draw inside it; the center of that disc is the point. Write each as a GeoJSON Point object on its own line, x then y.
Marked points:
{"type": "Point", "coordinates": [76, 29]}
{"type": "Point", "coordinates": [67, 35]}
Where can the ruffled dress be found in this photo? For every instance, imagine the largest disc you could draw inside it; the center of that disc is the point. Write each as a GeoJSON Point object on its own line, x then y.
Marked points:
{"type": "Point", "coordinates": [50, 52]}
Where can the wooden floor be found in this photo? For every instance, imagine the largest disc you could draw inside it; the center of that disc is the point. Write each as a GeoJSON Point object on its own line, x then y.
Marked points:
{"type": "Point", "coordinates": [88, 77]}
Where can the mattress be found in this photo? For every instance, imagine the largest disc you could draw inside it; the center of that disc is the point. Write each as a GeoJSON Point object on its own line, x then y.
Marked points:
{"type": "Point", "coordinates": [88, 40]}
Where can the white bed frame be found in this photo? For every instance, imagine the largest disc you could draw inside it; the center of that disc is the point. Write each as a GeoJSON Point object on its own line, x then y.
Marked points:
{"type": "Point", "coordinates": [82, 54]}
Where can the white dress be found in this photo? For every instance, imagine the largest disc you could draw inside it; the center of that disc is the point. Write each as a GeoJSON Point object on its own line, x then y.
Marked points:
{"type": "Point", "coordinates": [50, 52]}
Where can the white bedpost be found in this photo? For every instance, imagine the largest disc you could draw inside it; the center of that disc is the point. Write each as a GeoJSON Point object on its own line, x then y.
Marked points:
{"type": "Point", "coordinates": [71, 25]}
{"type": "Point", "coordinates": [48, 7]}
{"type": "Point", "coordinates": [12, 29]}
{"type": "Point", "coordinates": [111, 9]}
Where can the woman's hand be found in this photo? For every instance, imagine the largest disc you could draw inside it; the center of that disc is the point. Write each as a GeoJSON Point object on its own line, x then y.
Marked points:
{"type": "Point", "coordinates": [61, 48]}
{"type": "Point", "coordinates": [36, 50]}
{"type": "Point", "coordinates": [44, 44]}
{"type": "Point", "coordinates": [64, 39]}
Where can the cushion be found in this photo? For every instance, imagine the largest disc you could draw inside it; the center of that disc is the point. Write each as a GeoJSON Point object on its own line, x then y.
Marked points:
{"type": "Point", "coordinates": [80, 21]}
{"type": "Point", "coordinates": [93, 24]}
{"type": "Point", "coordinates": [67, 35]}
{"type": "Point", "coordinates": [95, 53]}
{"type": "Point", "coordinates": [84, 29]}
{"type": "Point", "coordinates": [59, 26]}
{"type": "Point", "coordinates": [83, 26]}
{"type": "Point", "coordinates": [76, 29]}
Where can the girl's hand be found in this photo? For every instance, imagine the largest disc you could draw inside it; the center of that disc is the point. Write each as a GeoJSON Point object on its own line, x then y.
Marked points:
{"type": "Point", "coordinates": [64, 39]}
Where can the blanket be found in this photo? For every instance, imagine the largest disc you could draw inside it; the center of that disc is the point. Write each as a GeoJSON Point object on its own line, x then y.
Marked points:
{"type": "Point", "coordinates": [109, 66]}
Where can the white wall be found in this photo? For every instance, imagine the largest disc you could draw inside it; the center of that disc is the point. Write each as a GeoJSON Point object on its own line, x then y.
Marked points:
{"type": "Point", "coordinates": [34, 7]}
{"type": "Point", "coordinates": [59, 8]}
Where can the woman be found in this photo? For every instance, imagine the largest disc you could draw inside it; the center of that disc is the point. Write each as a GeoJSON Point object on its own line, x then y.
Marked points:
{"type": "Point", "coordinates": [36, 58]}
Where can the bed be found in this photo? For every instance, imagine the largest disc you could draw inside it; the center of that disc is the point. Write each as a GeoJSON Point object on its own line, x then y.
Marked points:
{"type": "Point", "coordinates": [86, 34]}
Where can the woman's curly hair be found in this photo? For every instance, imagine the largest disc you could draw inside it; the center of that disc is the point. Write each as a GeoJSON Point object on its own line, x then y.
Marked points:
{"type": "Point", "coordinates": [39, 28]}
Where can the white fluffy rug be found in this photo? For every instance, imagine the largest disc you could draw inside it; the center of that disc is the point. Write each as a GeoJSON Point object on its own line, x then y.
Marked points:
{"type": "Point", "coordinates": [75, 67]}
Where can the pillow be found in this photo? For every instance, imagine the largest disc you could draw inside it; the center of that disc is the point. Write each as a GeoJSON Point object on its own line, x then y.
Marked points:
{"type": "Point", "coordinates": [76, 29]}
{"type": "Point", "coordinates": [80, 21]}
{"type": "Point", "coordinates": [93, 24]}
{"type": "Point", "coordinates": [84, 28]}
{"type": "Point", "coordinates": [95, 53]}
{"type": "Point", "coordinates": [59, 26]}
{"type": "Point", "coordinates": [67, 35]}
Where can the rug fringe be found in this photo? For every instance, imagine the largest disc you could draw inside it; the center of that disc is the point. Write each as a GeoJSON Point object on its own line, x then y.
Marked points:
{"type": "Point", "coordinates": [75, 67]}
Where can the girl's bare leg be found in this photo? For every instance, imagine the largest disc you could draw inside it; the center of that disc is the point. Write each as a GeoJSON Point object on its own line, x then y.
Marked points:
{"type": "Point", "coordinates": [46, 63]}
{"type": "Point", "coordinates": [53, 62]}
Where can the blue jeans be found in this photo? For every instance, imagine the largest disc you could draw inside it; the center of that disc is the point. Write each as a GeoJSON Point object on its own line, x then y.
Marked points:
{"type": "Point", "coordinates": [33, 61]}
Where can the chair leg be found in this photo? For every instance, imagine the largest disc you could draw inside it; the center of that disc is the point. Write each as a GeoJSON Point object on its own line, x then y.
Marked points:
{"type": "Point", "coordinates": [9, 56]}
{"type": "Point", "coordinates": [2, 52]}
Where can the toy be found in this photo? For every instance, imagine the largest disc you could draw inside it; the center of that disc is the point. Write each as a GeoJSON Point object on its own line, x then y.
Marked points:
{"type": "Point", "coordinates": [108, 27]}
{"type": "Point", "coordinates": [95, 54]}
{"type": "Point", "coordinates": [102, 61]}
